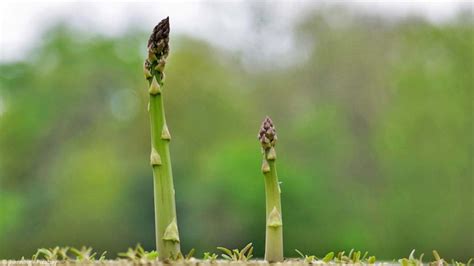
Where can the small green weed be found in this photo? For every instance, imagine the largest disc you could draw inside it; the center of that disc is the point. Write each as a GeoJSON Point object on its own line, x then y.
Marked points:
{"type": "Point", "coordinates": [87, 254]}
{"type": "Point", "coordinates": [211, 257]}
{"type": "Point", "coordinates": [139, 254]}
{"type": "Point", "coordinates": [50, 254]}
{"type": "Point", "coordinates": [354, 257]}
{"type": "Point", "coordinates": [328, 257]}
{"type": "Point", "coordinates": [306, 258]}
{"type": "Point", "coordinates": [440, 261]}
{"type": "Point", "coordinates": [180, 256]}
{"type": "Point", "coordinates": [237, 255]}
{"type": "Point", "coordinates": [411, 260]}
{"type": "Point", "coordinates": [62, 254]}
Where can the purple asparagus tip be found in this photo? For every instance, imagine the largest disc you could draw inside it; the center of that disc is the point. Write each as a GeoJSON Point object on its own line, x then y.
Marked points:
{"type": "Point", "coordinates": [267, 134]}
{"type": "Point", "coordinates": [160, 34]}
{"type": "Point", "coordinates": [158, 49]}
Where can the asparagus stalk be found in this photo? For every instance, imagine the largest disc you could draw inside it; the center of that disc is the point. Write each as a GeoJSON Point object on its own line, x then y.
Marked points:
{"type": "Point", "coordinates": [166, 228]}
{"type": "Point", "coordinates": [274, 226]}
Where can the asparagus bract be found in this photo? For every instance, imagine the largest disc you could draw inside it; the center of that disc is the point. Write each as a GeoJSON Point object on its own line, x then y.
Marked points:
{"type": "Point", "coordinates": [166, 227]}
{"type": "Point", "coordinates": [274, 225]}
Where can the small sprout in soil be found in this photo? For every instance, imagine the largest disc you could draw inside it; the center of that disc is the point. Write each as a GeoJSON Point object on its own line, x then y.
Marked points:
{"type": "Point", "coordinates": [62, 254]}
{"type": "Point", "coordinates": [274, 225]}
{"type": "Point", "coordinates": [328, 257]}
{"type": "Point", "coordinates": [87, 254]}
{"type": "Point", "coordinates": [355, 257]}
{"type": "Point", "coordinates": [237, 255]}
{"type": "Point", "coordinates": [211, 257]}
{"type": "Point", "coordinates": [371, 260]}
{"type": "Point", "coordinates": [180, 256]}
{"type": "Point", "coordinates": [50, 254]}
{"type": "Point", "coordinates": [411, 261]}
{"type": "Point", "coordinates": [306, 258]}
{"type": "Point", "coordinates": [439, 261]}
{"type": "Point", "coordinates": [139, 254]}
{"type": "Point", "coordinates": [190, 254]}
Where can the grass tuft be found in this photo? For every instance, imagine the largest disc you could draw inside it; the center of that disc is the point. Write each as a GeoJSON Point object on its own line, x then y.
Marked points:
{"type": "Point", "coordinates": [211, 257]}
{"type": "Point", "coordinates": [237, 255]}
{"type": "Point", "coordinates": [66, 253]}
{"type": "Point", "coordinates": [138, 255]}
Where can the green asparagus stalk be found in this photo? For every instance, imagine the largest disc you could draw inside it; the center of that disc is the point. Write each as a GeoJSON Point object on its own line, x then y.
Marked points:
{"type": "Point", "coordinates": [274, 226]}
{"type": "Point", "coordinates": [166, 227]}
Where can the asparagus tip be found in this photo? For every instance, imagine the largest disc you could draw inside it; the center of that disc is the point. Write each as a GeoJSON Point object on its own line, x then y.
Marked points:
{"type": "Point", "coordinates": [267, 134]}
{"type": "Point", "coordinates": [158, 41]}
{"type": "Point", "coordinates": [158, 49]}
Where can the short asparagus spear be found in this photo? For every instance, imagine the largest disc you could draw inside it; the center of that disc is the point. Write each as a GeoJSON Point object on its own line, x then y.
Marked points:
{"type": "Point", "coordinates": [274, 226]}
{"type": "Point", "coordinates": [166, 228]}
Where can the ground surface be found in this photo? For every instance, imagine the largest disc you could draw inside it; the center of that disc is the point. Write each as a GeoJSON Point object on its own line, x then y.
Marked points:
{"type": "Point", "coordinates": [183, 263]}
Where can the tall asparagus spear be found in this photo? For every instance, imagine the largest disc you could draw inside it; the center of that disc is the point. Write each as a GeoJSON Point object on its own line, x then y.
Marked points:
{"type": "Point", "coordinates": [166, 227]}
{"type": "Point", "coordinates": [274, 227]}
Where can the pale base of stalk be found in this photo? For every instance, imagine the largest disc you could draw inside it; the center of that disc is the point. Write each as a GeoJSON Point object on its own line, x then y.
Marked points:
{"type": "Point", "coordinates": [163, 202]}
{"type": "Point", "coordinates": [274, 244]}
{"type": "Point", "coordinates": [274, 224]}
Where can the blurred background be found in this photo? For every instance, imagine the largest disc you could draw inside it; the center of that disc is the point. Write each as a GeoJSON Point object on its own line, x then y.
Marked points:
{"type": "Point", "coordinates": [373, 104]}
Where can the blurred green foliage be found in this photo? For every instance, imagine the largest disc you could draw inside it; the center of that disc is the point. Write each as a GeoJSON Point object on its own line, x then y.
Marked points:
{"type": "Point", "coordinates": [375, 151]}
